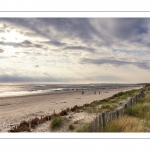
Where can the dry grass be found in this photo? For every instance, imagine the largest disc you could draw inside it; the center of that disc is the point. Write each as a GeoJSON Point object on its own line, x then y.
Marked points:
{"type": "Point", "coordinates": [124, 124]}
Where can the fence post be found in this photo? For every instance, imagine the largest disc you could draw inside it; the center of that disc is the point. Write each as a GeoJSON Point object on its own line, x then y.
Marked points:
{"type": "Point", "coordinates": [97, 121]}
{"type": "Point", "coordinates": [101, 122]}
{"type": "Point", "coordinates": [104, 119]}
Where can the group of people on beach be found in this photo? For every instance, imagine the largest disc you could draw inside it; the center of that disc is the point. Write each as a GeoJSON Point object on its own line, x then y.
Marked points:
{"type": "Point", "coordinates": [94, 92]}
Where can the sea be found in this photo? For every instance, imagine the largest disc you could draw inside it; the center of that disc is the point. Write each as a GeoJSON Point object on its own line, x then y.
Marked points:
{"type": "Point", "coordinates": [23, 89]}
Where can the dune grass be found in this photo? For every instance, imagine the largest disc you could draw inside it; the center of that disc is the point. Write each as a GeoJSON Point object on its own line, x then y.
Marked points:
{"type": "Point", "coordinates": [71, 127]}
{"type": "Point", "coordinates": [83, 128]}
{"type": "Point", "coordinates": [109, 104]}
{"type": "Point", "coordinates": [136, 118]}
{"type": "Point", "coordinates": [124, 124]}
{"type": "Point", "coordinates": [57, 122]}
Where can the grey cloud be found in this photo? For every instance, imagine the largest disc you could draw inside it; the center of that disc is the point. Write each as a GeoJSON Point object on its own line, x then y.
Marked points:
{"type": "Point", "coordinates": [24, 44]}
{"type": "Point", "coordinates": [143, 65]}
{"type": "Point", "coordinates": [105, 78]}
{"type": "Point", "coordinates": [108, 30]}
{"type": "Point", "coordinates": [55, 43]}
{"type": "Point", "coordinates": [3, 38]}
{"type": "Point", "coordinates": [79, 48]}
{"type": "Point", "coordinates": [57, 28]}
{"type": "Point", "coordinates": [16, 78]}
{"type": "Point", "coordinates": [1, 50]}
{"type": "Point", "coordinates": [14, 56]}
{"type": "Point", "coordinates": [36, 66]}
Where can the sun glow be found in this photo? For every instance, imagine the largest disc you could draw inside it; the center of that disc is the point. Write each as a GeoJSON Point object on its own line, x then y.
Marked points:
{"type": "Point", "coordinates": [11, 36]}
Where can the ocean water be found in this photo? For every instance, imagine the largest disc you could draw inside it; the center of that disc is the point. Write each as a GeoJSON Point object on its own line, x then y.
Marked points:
{"type": "Point", "coordinates": [22, 89]}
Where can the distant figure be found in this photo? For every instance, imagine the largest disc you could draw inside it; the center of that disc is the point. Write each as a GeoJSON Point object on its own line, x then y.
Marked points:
{"type": "Point", "coordinates": [82, 92]}
{"type": "Point", "coordinates": [99, 92]}
{"type": "Point", "coordinates": [94, 92]}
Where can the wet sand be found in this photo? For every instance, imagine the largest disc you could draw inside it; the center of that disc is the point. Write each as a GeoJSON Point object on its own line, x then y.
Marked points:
{"type": "Point", "coordinates": [13, 110]}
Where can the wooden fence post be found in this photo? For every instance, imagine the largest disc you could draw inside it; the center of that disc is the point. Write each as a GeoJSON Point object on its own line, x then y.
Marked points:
{"type": "Point", "coordinates": [104, 119]}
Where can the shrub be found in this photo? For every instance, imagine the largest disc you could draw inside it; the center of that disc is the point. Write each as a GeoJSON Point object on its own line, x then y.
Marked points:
{"type": "Point", "coordinates": [71, 127]}
{"type": "Point", "coordinates": [56, 122]}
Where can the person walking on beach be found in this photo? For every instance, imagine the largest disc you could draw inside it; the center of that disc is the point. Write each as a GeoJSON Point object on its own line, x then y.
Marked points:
{"type": "Point", "coordinates": [94, 92]}
{"type": "Point", "coordinates": [99, 92]}
{"type": "Point", "coordinates": [82, 92]}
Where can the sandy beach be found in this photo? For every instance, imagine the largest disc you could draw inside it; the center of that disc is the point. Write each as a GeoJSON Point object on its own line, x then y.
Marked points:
{"type": "Point", "coordinates": [13, 110]}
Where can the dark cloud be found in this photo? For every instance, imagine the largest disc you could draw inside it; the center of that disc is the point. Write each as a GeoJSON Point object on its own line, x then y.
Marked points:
{"type": "Point", "coordinates": [24, 44]}
{"type": "Point", "coordinates": [16, 78]}
{"type": "Point", "coordinates": [79, 48]}
{"type": "Point", "coordinates": [1, 50]}
{"type": "Point", "coordinates": [128, 28]}
{"type": "Point", "coordinates": [55, 43]}
{"type": "Point", "coordinates": [143, 65]}
{"type": "Point", "coordinates": [103, 31]}
{"type": "Point", "coordinates": [57, 28]}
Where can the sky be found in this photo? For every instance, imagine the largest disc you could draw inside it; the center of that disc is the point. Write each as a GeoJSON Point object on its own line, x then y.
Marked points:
{"type": "Point", "coordinates": [75, 50]}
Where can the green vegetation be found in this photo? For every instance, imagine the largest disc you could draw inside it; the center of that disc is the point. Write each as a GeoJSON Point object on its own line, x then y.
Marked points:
{"type": "Point", "coordinates": [78, 121]}
{"type": "Point", "coordinates": [71, 127]}
{"type": "Point", "coordinates": [108, 107]}
{"type": "Point", "coordinates": [136, 118]}
{"type": "Point", "coordinates": [57, 122]}
{"type": "Point", "coordinates": [110, 103]}
{"type": "Point", "coordinates": [83, 128]}
{"type": "Point", "coordinates": [124, 124]}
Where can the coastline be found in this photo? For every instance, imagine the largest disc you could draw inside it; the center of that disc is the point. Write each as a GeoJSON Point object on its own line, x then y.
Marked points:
{"type": "Point", "coordinates": [15, 109]}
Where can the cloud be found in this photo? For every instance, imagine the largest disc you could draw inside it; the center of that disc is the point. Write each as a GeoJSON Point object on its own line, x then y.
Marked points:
{"type": "Point", "coordinates": [16, 78]}
{"type": "Point", "coordinates": [54, 43]}
{"type": "Point", "coordinates": [24, 44]}
{"type": "Point", "coordinates": [79, 48]}
{"type": "Point", "coordinates": [36, 66]}
{"type": "Point", "coordinates": [143, 65]}
{"type": "Point", "coordinates": [1, 50]}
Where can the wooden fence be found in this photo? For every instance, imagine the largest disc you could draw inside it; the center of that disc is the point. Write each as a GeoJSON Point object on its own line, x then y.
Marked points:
{"type": "Point", "coordinates": [102, 119]}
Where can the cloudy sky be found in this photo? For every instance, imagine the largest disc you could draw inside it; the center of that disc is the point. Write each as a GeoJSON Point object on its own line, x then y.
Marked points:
{"type": "Point", "coordinates": [75, 50]}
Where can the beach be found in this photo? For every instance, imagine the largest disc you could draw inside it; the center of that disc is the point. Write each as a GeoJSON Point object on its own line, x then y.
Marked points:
{"type": "Point", "coordinates": [13, 110]}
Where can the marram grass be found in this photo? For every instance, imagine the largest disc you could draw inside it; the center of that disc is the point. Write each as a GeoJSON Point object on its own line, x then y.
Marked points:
{"type": "Point", "coordinates": [124, 124]}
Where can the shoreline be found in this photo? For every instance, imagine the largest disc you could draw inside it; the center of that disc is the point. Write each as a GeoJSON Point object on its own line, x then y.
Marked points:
{"type": "Point", "coordinates": [64, 91]}
{"type": "Point", "coordinates": [16, 109]}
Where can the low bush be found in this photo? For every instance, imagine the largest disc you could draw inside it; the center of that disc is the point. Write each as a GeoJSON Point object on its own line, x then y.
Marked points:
{"type": "Point", "coordinates": [71, 127]}
{"type": "Point", "coordinates": [56, 122]}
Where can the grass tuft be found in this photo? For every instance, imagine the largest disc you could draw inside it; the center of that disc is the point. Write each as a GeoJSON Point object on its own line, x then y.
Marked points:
{"type": "Point", "coordinates": [83, 128]}
{"type": "Point", "coordinates": [71, 127]}
{"type": "Point", "coordinates": [56, 122]}
{"type": "Point", "coordinates": [124, 124]}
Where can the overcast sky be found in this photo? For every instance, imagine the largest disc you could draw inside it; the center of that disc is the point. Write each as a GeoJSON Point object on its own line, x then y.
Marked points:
{"type": "Point", "coordinates": [75, 50]}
